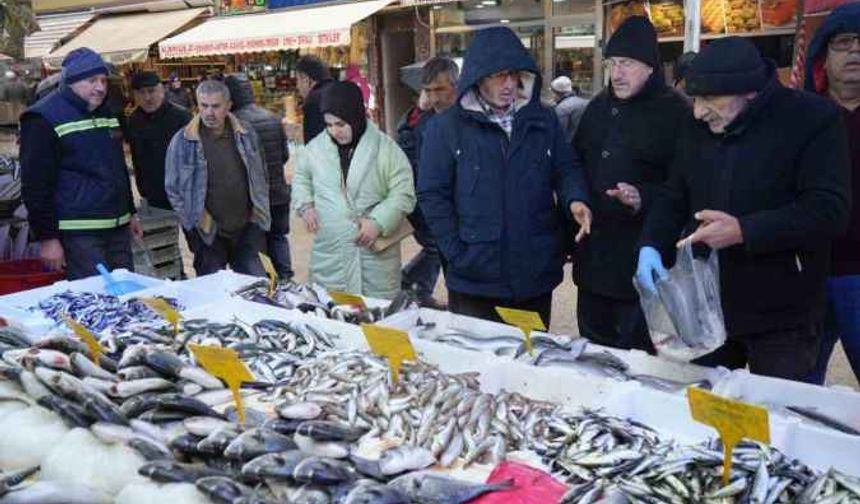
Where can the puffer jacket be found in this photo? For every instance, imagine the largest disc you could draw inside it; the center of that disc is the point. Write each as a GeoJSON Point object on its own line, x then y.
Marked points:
{"type": "Point", "coordinates": [494, 204]}
{"type": "Point", "coordinates": [268, 128]}
{"type": "Point", "coordinates": [186, 177]}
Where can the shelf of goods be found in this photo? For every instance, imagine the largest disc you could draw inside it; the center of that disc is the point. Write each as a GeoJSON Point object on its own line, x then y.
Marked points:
{"type": "Point", "coordinates": [325, 419]}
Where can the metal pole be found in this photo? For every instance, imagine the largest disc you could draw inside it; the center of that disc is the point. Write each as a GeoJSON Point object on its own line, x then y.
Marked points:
{"type": "Point", "coordinates": [693, 31]}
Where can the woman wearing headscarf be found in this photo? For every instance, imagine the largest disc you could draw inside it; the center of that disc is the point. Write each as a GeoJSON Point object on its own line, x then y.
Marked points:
{"type": "Point", "coordinates": [352, 187]}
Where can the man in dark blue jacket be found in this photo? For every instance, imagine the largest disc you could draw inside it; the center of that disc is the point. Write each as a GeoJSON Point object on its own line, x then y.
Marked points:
{"type": "Point", "coordinates": [75, 182]}
{"type": "Point", "coordinates": [496, 178]}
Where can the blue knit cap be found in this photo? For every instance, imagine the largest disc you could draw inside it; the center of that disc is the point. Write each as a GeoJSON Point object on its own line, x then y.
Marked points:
{"type": "Point", "coordinates": [81, 64]}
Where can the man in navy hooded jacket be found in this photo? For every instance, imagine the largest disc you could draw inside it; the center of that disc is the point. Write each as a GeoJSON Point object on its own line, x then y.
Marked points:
{"type": "Point", "coordinates": [75, 181]}
{"type": "Point", "coordinates": [833, 71]}
{"type": "Point", "coordinates": [496, 179]}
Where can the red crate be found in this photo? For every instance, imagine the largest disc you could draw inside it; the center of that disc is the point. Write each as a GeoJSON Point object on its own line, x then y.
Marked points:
{"type": "Point", "coordinates": [25, 274]}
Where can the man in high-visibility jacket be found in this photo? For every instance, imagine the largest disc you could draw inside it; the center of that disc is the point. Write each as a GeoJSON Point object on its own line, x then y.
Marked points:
{"type": "Point", "coordinates": [75, 182]}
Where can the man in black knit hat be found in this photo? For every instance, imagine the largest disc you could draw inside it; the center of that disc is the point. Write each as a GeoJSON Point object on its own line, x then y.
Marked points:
{"type": "Point", "coordinates": [763, 180]}
{"type": "Point", "coordinates": [626, 138]}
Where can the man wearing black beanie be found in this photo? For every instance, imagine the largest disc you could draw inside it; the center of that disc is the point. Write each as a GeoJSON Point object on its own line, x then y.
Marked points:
{"type": "Point", "coordinates": [761, 178]}
{"type": "Point", "coordinates": [626, 137]}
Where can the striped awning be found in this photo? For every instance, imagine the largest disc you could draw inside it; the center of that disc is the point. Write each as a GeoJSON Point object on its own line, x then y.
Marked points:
{"type": "Point", "coordinates": [55, 29]}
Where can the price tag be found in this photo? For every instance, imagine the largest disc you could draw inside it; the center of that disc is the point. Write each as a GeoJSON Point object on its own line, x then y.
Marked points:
{"type": "Point", "coordinates": [84, 333]}
{"type": "Point", "coordinates": [390, 343]}
{"type": "Point", "coordinates": [270, 270]}
{"type": "Point", "coordinates": [224, 363]}
{"type": "Point", "coordinates": [527, 321]}
{"type": "Point", "coordinates": [164, 309]}
{"type": "Point", "coordinates": [734, 421]}
{"type": "Point", "coordinates": [345, 298]}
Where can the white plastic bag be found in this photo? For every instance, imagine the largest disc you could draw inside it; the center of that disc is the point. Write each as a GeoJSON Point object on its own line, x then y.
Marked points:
{"type": "Point", "coordinates": [685, 317]}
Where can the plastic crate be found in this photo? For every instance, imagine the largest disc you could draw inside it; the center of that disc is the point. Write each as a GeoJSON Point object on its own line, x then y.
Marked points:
{"type": "Point", "coordinates": [26, 274]}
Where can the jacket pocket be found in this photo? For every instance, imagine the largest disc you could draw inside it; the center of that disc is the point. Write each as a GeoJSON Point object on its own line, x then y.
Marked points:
{"type": "Point", "coordinates": [480, 259]}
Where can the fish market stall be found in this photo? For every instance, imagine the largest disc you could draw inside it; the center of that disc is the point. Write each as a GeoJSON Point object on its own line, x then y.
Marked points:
{"type": "Point", "coordinates": [326, 422]}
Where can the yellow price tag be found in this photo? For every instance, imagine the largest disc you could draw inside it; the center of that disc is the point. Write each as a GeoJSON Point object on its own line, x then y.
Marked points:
{"type": "Point", "coordinates": [164, 309]}
{"type": "Point", "coordinates": [527, 321]}
{"type": "Point", "coordinates": [84, 333]}
{"type": "Point", "coordinates": [224, 363]}
{"type": "Point", "coordinates": [734, 421]}
{"type": "Point", "coordinates": [390, 343]}
{"type": "Point", "coordinates": [345, 298]}
{"type": "Point", "coordinates": [270, 270]}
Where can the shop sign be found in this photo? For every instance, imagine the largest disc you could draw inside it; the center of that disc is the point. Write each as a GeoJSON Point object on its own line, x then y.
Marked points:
{"type": "Point", "coordinates": [335, 37]}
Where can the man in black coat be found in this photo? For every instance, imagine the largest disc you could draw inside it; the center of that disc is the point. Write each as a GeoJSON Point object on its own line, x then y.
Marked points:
{"type": "Point", "coordinates": [312, 79]}
{"type": "Point", "coordinates": [763, 179]}
{"type": "Point", "coordinates": [276, 153]}
{"type": "Point", "coordinates": [149, 129]}
{"type": "Point", "coordinates": [626, 138]}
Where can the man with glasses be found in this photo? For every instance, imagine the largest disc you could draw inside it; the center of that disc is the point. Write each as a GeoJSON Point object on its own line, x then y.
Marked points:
{"type": "Point", "coordinates": [833, 71]}
{"type": "Point", "coordinates": [762, 179]}
{"type": "Point", "coordinates": [627, 138]}
{"type": "Point", "coordinates": [496, 179]}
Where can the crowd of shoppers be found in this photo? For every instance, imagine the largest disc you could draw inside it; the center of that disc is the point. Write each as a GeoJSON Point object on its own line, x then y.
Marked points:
{"type": "Point", "coordinates": [498, 189]}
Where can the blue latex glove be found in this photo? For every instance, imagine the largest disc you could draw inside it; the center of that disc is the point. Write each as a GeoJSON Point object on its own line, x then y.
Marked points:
{"type": "Point", "coordinates": [650, 263]}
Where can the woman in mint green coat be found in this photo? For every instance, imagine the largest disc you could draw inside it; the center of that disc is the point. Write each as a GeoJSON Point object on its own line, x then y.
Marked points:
{"type": "Point", "coordinates": [352, 186]}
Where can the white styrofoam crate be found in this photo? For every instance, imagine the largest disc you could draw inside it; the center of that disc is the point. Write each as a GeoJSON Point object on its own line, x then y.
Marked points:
{"type": "Point", "coordinates": [226, 282]}
{"type": "Point", "coordinates": [774, 393]}
{"type": "Point", "coordinates": [95, 284]}
{"type": "Point", "coordinates": [187, 297]}
{"type": "Point", "coordinates": [639, 362]}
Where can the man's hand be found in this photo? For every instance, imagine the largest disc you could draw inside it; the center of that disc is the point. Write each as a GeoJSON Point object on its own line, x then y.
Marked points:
{"type": "Point", "coordinates": [582, 215]}
{"type": "Point", "coordinates": [136, 228]}
{"type": "Point", "coordinates": [368, 232]}
{"type": "Point", "coordinates": [627, 194]}
{"type": "Point", "coordinates": [717, 230]}
{"type": "Point", "coordinates": [311, 218]}
{"type": "Point", "coordinates": [52, 255]}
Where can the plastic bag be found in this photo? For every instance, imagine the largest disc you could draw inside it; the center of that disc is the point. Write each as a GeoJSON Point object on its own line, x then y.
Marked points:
{"type": "Point", "coordinates": [685, 317]}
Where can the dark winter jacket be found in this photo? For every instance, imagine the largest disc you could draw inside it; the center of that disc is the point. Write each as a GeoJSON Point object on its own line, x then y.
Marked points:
{"type": "Point", "coordinates": [630, 141]}
{"type": "Point", "coordinates": [493, 203]}
{"type": "Point", "coordinates": [313, 122]}
{"type": "Point", "coordinates": [149, 135]}
{"type": "Point", "coordinates": [74, 176]}
{"type": "Point", "coordinates": [268, 127]}
{"type": "Point", "coordinates": [410, 134]}
{"type": "Point", "coordinates": [786, 180]}
{"type": "Point", "coordinates": [845, 19]}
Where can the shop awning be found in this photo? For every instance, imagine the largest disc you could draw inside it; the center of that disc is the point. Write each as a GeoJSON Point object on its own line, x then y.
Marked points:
{"type": "Point", "coordinates": [312, 27]}
{"type": "Point", "coordinates": [125, 39]}
{"type": "Point", "coordinates": [54, 28]}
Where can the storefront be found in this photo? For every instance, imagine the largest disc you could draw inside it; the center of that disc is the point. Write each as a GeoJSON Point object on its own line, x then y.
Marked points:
{"type": "Point", "coordinates": [267, 46]}
{"type": "Point", "coordinates": [558, 33]}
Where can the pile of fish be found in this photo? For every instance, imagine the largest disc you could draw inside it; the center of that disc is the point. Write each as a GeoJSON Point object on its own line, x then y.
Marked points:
{"type": "Point", "coordinates": [170, 412]}
{"type": "Point", "coordinates": [551, 350]}
{"type": "Point", "coordinates": [272, 349]}
{"type": "Point", "coordinates": [609, 459]}
{"type": "Point", "coordinates": [101, 312]}
{"type": "Point", "coordinates": [315, 299]}
{"type": "Point", "coordinates": [446, 415]}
